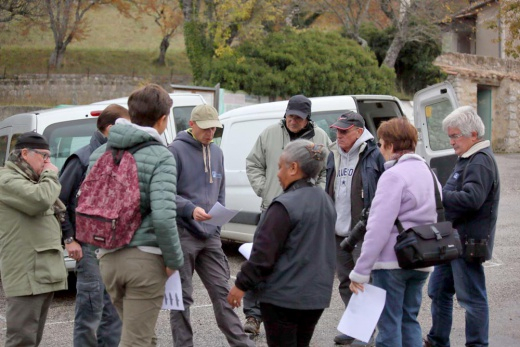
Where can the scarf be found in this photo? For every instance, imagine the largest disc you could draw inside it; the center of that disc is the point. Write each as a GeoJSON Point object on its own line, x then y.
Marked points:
{"type": "Point", "coordinates": [58, 207]}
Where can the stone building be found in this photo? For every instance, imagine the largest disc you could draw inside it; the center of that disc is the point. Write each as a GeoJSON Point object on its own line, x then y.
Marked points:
{"type": "Point", "coordinates": [482, 75]}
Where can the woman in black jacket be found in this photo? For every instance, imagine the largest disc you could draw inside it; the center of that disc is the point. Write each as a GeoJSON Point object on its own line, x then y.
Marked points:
{"type": "Point", "coordinates": [291, 268]}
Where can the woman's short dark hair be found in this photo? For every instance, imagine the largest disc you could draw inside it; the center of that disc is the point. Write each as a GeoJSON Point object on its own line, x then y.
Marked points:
{"type": "Point", "coordinates": [109, 116]}
{"type": "Point", "coordinates": [309, 156]}
{"type": "Point", "coordinates": [398, 132]}
{"type": "Point", "coordinates": [148, 104]}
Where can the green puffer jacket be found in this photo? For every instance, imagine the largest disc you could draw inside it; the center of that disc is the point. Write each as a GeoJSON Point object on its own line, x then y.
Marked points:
{"type": "Point", "coordinates": [262, 161]}
{"type": "Point", "coordinates": [157, 182]}
{"type": "Point", "coordinates": [31, 253]}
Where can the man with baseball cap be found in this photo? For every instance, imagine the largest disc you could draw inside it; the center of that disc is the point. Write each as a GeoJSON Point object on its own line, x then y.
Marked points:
{"type": "Point", "coordinates": [354, 166]}
{"type": "Point", "coordinates": [31, 254]}
{"type": "Point", "coordinates": [200, 184]}
{"type": "Point", "coordinates": [262, 169]}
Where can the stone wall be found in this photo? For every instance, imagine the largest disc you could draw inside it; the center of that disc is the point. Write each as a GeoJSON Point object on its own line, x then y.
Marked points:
{"type": "Point", "coordinates": [52, 90]}
{"type": "Point", "coordinates": [467, 72]}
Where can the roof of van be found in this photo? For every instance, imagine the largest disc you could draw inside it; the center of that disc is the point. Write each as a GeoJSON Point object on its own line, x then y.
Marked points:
{"type": "Point", "coordinates": [322, 103]}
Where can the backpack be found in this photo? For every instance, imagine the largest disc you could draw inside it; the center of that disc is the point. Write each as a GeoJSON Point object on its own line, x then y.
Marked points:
{"type": "Point", "coordinates": [109, 200]}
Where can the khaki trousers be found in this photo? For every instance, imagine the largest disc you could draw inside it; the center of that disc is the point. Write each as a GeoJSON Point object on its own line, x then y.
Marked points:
{"type": "Point", "coordinates": [25, 319]}
{"type": "Point", "coordinates": [135, 282]}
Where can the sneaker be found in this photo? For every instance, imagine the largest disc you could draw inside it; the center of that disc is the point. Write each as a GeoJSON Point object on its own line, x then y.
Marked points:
{"type": "Point", "coordinates": [343, 339]}
{"type": "Point", "coordinates": [252, 325]}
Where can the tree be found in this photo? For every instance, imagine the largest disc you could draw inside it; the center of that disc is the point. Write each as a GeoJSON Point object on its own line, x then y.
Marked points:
{"type": "Point", "coordinates": [414, 65]}
{"type": "Point", "coordinates": [167, 14]}
{"type": "Point", "coordinates": [414, 21]}
{"type": "Point", "coordinates": [350, 13]}
{"type": "Point", "coordinates": [11, 9]}
{"type": "Point", "coordinates": [67, 22]}
{"type": "Point", "coordinates": [211, 28]}
{"type": "Point", "coordinates": [510, 13]}
{"type": "Point", "coordinates": [310, 62]}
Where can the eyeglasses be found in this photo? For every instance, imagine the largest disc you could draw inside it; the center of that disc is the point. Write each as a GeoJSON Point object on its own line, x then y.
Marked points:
{"type": "Point", "coordinates": [44, 155]}
{"type": "Point", "coordinates": [455, 136]}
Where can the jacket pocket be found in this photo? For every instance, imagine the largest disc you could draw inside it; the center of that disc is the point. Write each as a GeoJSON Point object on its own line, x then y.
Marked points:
{"type": "Point", "coordinates": [49, 265]}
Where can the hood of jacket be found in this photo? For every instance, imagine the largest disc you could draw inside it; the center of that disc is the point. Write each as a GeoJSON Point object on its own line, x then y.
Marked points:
{"type": "Point", "coordinates": [125, 134]}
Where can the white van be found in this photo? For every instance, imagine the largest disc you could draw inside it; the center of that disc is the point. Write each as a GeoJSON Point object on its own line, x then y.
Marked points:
{"type": "Point", "coordinates": [69, 128]}
{"type": "Point", "coordinates": [243, 125]}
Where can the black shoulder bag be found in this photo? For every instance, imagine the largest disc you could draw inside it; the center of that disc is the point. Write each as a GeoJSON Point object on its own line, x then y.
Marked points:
{"type": "Point", "coordinates": [430, 244]}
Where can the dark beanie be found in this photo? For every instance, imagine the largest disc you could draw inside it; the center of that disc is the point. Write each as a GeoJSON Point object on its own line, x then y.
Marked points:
{"type": "Point", "coordinates": [31, 140]}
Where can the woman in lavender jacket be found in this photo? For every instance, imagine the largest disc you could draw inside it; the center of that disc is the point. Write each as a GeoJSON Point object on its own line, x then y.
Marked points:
{"type": "Point", "coordinates": [405, 191]}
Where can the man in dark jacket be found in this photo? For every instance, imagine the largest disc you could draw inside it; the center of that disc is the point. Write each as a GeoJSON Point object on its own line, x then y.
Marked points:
{"type": "Point", "coordinates": [354, 166]}
{"type": "Point", "coordinates": [201, 184]}
{"type": "Point", "coordinates": [96, 321]}
{"type": "Point", "coordinates": [470, 198]}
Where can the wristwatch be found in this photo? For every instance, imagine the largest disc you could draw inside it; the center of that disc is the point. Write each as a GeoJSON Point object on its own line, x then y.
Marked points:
{"type": "Point", "coordinates": [68, 240]}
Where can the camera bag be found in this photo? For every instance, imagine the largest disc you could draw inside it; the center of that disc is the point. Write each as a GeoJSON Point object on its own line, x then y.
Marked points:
{"type": "Point", "coordinates": [430, 244]}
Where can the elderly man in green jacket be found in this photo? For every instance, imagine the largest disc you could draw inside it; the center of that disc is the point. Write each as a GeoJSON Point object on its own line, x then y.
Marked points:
{"type": "Point", "coordinates": [31, 254]}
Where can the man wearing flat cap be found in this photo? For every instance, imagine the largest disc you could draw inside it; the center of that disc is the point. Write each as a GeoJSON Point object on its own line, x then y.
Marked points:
{"type": "Point", "coordinates": [200, 184]}
{"type": "Point", "coordinates": [31, 253]}
{"type": "Point", "coordinates": [262, 169]}
{"type": "Point", "coordinates": [354, 166]}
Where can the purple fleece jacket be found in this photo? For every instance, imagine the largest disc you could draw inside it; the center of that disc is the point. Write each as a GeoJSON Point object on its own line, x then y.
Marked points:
{"type": "Point", "coordinates": [405, 190]}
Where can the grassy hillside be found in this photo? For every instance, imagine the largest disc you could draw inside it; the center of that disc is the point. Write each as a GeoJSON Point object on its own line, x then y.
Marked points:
{"type": "Point", "coordinates": [114, 45]}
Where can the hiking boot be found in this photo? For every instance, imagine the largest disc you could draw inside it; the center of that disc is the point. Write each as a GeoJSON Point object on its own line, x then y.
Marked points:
{"type": "Point", "coordinates": [252, 325]}
{"type": "Point", "coordinates": [343, 339]}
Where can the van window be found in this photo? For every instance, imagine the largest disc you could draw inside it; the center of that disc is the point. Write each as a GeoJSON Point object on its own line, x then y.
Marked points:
{"type": "Point", "coordinates": [3, 148]}
{"type": "Point", "coordinates": [325, 119]}
{"type": "Point", "coordinates": [182, 115]}
{"type": "Point", "coordinates": [238, 147]}
{"type": "Point", "coordinates": [435, 114]}
{"type": "Point", "coordinates": [65, 138]}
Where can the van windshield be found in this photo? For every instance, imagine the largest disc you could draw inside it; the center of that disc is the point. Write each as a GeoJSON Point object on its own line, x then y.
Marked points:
{"type": "Point", "coordinates": [65, 138]}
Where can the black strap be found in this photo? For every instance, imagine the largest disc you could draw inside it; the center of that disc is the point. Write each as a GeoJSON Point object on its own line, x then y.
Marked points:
{"type": "Point", "coordinates": [438, 203]}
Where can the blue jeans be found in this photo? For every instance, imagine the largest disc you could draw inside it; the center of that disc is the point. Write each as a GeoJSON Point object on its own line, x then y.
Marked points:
{"type": "Point", "coordinates": [468, 282]}
{"type": "Point", "coordinates": [398, 325]}
{"type": "Point", "coordinates": [96, 321]}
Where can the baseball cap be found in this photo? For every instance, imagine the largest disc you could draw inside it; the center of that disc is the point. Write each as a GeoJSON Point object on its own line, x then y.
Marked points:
{"type": "Point", "coordinates": [349, 119]}
{"type": "Point", "coordinates": [205, 116]}
{"type": "Point", "coordinates": [31, 140]}
{"type": "Point", "coordinates": [299, 105]}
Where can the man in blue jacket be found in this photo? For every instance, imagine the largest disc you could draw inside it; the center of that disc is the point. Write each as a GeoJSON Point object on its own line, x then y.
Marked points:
{"type": "Point", "coordinates": [470, 198]}
{"type": "Point", "coordinates": [96, 321]}
{"type": "Point", "coordinates": [201, 184]}
{"type": "Point", "coordinates": [354, 166]}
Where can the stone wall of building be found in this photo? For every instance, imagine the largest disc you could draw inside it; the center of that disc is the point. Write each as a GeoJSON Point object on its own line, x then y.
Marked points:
{"type": "Point", "coordinates": [466, 72]}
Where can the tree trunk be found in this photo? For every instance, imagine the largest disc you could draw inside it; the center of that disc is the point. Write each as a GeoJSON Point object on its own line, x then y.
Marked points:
{"type": "Point", "coordinates": [393, 51]}
{"type": "Point", "coordinates": [56, 59]}
{"type": "Point", "coordinates": [165, 43]}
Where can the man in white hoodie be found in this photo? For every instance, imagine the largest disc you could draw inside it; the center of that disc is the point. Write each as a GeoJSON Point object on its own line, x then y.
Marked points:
{"type": "Point", "coordinates": [354, 166]}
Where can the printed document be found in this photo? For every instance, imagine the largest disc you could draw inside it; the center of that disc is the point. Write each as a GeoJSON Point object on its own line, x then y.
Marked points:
{"type": "Point", "coordinates": [173, 293]}
{"type": "Point", "coordinates": [220, 215]}
{"type": "Point", "coordinates": [363, 311]}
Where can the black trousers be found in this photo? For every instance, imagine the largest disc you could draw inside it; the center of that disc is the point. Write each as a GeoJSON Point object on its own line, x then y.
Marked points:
{"type": "Point", "coordinates": [285, 327]}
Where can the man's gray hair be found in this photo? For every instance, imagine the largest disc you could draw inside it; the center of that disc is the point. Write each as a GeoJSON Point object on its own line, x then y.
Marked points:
{"type": "Point", "coordinates": [466, 119]}
{"type": "Point", "coordinates": [310, 157]}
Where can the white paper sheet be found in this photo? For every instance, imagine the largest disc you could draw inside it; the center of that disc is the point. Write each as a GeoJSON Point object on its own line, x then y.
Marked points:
{"type": "Point", "coordinates": [245, 249]}
{"type": "Point", "coordinates": [173, 293]}
{"type": "Point", "coordinates": [220, 215]}
{"type": "Point", "coordinates": [363, 311]}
